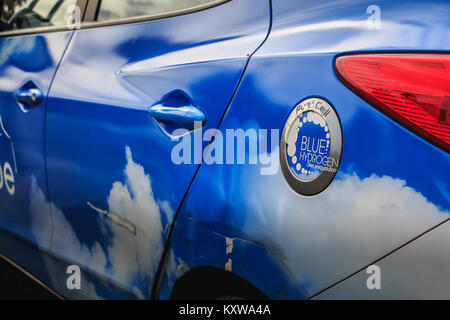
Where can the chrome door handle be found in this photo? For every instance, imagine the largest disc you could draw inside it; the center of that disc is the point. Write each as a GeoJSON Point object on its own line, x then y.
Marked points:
{"type": "Point", "coordinates": [29, 97]}
{"type": "Point", "coordinates": [184, 117]}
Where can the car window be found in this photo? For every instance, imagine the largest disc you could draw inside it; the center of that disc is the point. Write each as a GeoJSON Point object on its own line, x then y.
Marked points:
{"type": "Point", "coordinates": [26, 14]}
{"type": "Point", "coordinates": [116, 9]}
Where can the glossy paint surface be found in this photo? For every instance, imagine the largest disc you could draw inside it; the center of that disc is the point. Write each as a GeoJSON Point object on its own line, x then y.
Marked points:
{"type": "Point", "coordinates": [26, 63]}
{"type": "Point", "coordinates": [391, 185]}
{"type": "Point", "coordinates": [113, 185]}
{"type": "Point", "coordinates": [114, 190]}
{"type": "Point", "coordinates": [417, 271]}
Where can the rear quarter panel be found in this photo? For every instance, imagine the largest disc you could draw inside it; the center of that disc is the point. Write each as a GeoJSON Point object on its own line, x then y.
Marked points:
{"type": "Point", "coordinates": [391, 185]}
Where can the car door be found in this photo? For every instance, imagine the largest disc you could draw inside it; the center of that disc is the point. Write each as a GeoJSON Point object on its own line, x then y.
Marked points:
{"type": "Point", "coordinates": [126, 83]}
{"type": "Point", "coordinates": [33, 37]}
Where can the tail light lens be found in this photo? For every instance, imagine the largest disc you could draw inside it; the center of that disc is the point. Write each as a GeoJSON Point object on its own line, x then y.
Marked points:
{"type": "Point", "coordinates": [413, 89]}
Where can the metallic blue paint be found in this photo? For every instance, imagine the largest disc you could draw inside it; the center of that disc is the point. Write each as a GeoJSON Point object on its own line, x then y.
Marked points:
{"type": "Point", "coordinates": [26, 62]}
{"type": "Point", "coordinates": [114, 195]}
{"type": "Point", "coordinates": [108, 81]}
{"type": "Point", "coordinates": [391, 185]}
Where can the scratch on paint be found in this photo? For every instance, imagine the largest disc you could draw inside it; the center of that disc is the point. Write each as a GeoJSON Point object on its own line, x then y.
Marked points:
{"type": "Point", "coordinates": [182, 268]}
{"type": "Point", "coordinates": [115, 218]}
{"type": "Point", "coordinates": [229, 250]}
{"type": "Point", "coordinates": [229, 265]}
{"type": "Point", "coordinates": [229, 245]}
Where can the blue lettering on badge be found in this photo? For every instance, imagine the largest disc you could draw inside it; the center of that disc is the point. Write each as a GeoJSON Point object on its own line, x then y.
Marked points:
{"type": "Point", "coordinates": [308, 146]}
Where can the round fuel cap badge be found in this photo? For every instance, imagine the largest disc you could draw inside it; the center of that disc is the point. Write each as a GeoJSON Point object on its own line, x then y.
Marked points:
{"type": "Point", "coordinates": [311, 146]}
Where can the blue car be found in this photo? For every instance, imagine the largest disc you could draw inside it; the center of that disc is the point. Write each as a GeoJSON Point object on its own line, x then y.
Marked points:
{"type": "Point", "coordinates": [208, 149]}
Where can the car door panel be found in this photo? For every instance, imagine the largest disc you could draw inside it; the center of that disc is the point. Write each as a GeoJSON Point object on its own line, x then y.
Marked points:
{"type": "Point", "coordinates": [114, 187]}
{"type": "Point", "coordinates": [27, 63]}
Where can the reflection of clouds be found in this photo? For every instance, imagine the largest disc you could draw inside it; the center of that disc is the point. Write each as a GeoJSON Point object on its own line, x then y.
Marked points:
{"type": "Point", "coordinates": [15, 45]}
{"type": "Point", "coordinates": [357, 38]}
{"type": "Point", "coordinates": [41, 220]}
{"type": "Point", "coordinates": [345, 28]}
{"type": "Point", "coordinates": [129, 259]}
{"type": "Point", "coordinates": [22, 53]}
{"type": "Point", "coordinates": [222, 50]}
{"type": "Point", "coordinates": [41, 229]}
{"type": "Point", "coordinates": [134, 201]}
{"type": "Point", "coordinates": [350, 224]}
{"type": "Point", "coordinates": [168, 51]}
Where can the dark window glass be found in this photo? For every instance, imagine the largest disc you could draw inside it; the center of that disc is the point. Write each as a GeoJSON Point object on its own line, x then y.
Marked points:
{"type": "Point", "coordinates": [25, 14]}
{"type": "Point", "coordinates": [116, 9]}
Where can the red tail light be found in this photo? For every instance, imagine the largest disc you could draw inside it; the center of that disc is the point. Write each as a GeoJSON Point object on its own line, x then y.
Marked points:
{"type": "Point", "coordinates": [412, 89]}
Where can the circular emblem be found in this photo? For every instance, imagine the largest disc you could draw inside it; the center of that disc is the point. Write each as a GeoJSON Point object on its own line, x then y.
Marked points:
{"type": "Point", "coordinates": [311, 146]}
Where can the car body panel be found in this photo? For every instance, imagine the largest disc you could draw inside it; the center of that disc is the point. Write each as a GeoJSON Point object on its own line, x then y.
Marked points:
{"type": "Point", "coordinates": [24, 60]}
{"type": "Point", "coordinates": [114, 196]}
{"type": "Point", "coordinates": [391, 185]}
{"type": "Point", "coordinates": [43, 266]}
{"type": "Point", "coordinates": [247, 259]}
{"type": "Point", "coordinates": [418, 270]}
